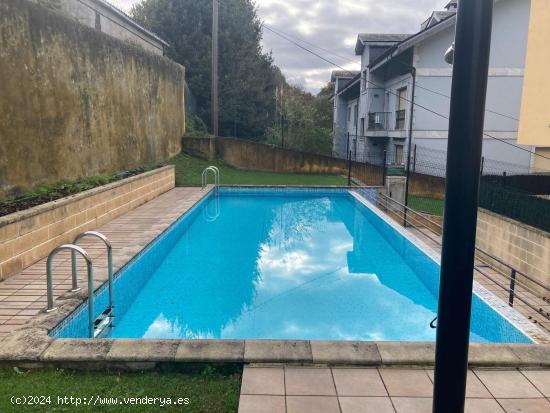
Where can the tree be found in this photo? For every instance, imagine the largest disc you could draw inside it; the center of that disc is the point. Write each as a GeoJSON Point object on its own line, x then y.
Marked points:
{"type": "Point", "coordinates": [247, 82]}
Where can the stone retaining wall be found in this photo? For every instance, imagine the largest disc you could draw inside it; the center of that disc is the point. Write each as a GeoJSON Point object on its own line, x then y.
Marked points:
{"type": "Point", "coordinates": [522, 246]}
{"type": "Point", "coordinates": [28, 236]}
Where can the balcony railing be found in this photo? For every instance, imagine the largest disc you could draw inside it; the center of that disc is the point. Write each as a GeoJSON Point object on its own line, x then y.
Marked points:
{"type": "Point", "coordinates": [400, 116]}
{"type": "Point", "coordinates": [379, 121]}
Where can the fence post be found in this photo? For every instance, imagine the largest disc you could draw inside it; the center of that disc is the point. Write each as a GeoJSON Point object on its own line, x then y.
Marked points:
{"type": "Point", "coordinates": [355, 148]}
{"type": "Point", "coordinates": [504, 178]}
{"type": "Point", "coordinates": [349, 168]}
{"type": "Point", "coordinates": [512, 288]}
{"type": "Point", "coordinates": [482, 166]}
{"type": "Point", "coordinates": [384, 169]}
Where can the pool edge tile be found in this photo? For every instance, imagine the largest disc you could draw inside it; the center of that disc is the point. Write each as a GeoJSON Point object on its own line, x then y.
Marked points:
{"type": "Point", "coordinates": [362, 353]}
{"type": "Point", "coordinates": [277, 351]}
{"type": "Point", "coordinates": [227, 351]}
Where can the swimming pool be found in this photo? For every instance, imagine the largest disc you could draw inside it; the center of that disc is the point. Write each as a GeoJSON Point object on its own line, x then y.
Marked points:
{"type": "Point", "coordinates": [267, 263]}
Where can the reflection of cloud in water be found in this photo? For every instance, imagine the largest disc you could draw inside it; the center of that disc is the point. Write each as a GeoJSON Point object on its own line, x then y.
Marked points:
{"type": "Point", "coordinates": [171, 329]}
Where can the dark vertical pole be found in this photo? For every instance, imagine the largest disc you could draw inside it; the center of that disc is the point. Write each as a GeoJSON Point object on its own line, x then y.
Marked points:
{"type": "Point", "coordinates": [468, 94]}
{"type": "Point", "coordinates": [482, 166]}
{"type": "Point", "coordinates": [504, 178]}
{"type": "Point", "coordinates": [355, 149]}
{"type": "Point", "coordinates": [414, 159]}
{"type": "Point", "coordinates": [512, 288]}
{"type": "Point", "coordinates": [409, 145]}
{"type": "Point", "coordinates": [349, 168]}
{"type": "Point", "coordinates": [215, 107]}
{"type": "Point", "coordinates": [384, 169]}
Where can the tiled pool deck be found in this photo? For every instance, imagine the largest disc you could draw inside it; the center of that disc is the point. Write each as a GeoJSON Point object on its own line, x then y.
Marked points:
{"type": "Point", "coordinates": [291, 389]}
{"type": "Point", "coordinates": [23, 296]}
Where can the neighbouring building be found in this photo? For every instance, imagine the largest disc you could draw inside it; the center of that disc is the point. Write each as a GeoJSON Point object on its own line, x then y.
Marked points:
{"type": "Point", "coordinates": [110, 20]}
{"type": "Point", "coordinates": [374, 106]}
{"type": "Point", "coordinates": [534, 125]}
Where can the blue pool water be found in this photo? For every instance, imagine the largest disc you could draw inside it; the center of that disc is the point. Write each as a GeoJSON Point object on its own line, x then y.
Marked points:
{"type": "Point", "coordinates": [282, 264]}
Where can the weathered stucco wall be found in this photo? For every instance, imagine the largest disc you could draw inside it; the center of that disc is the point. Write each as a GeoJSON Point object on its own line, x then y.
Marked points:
{"type": "Point", "coordinates": [76, 102]}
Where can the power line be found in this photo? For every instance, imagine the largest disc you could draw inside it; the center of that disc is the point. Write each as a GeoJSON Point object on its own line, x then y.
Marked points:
{"type": "Point", "coordinates": [395, 94]}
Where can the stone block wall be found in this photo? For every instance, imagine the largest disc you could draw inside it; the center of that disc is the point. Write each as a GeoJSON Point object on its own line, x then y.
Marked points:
{"type": "Point", "coordinates": [28, 236]}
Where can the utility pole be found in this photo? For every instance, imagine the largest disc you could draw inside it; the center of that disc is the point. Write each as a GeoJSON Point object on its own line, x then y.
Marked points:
{"type": "Point", "coordinates": [467, 113]}
{"type": "Point", "coordinates": [214, 96]}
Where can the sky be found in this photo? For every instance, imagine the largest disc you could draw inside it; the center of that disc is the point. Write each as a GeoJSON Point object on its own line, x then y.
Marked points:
{"type": "Point", "coordinates": [332, 25]}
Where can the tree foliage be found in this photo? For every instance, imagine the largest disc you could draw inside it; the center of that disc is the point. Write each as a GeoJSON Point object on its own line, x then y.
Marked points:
{"type": "Point", "coordinates": [256, 102]}
{"type": "Point", "coordinates": [305, 120]}
{"type": "Point", "coordinates": [246, 73]}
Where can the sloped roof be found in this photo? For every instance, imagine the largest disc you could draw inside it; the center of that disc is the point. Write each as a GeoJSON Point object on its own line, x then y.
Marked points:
{"type": "Point", "coordinates": [130, 21]}
{"type": "Point", "coordinates": [346, 74]}
{"type": "Point", "coordinates": [385, 38]}
{"type": "Point", "coordinates": [436, 17]}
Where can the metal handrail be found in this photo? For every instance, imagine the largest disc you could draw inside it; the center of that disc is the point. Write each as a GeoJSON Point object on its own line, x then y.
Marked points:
{"type": "Point", "coordinates": [107, 243]}
{"type": "Point", "coordinates": [511, 289]}
{"type": "Point", "coordinates": [492, 257]}
{"type": "Point", "coordinates": [49, 280]}
{"type": "Point", "coordinates": [216, 173]}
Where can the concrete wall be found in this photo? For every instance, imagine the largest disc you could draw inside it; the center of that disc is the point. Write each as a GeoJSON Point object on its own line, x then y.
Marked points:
{"type": "Point", "coordinates": [524, 247]}
{"type": "Point", "coordinates": [260, 157]}
{"type": "Point", "coordinates": [76, 102]}
{"type": "Point", "coordinates": [28, 236]}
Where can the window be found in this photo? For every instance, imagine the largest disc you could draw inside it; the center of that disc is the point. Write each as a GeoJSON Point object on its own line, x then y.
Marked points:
{"type": "Point", "coordinates": [349, 114]}
{"type": "Point", "coordinates": [364, 80]}
{"type": "Point", "coordinates": [400, 113]}
{"type": "Point", "coordinates": [362, 130]}
{"type": "Point", "coordinates": [355, 114]}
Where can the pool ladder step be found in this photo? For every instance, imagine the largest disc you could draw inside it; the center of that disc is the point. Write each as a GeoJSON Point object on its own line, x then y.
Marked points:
{"type": "Point", "coordinates": [100, 326]}
{"type": "Point", "coordinates": [216, 173]}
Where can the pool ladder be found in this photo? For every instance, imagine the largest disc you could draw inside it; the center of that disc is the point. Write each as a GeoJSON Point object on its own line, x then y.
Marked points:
{"type": "Point", "coordinates": [97, 327]}
{"type": "Point", "coordinates": [216, 173]}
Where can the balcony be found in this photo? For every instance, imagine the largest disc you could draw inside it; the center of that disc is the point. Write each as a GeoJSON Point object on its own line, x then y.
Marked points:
{"type": "Point", "coordinates": [379, 121]}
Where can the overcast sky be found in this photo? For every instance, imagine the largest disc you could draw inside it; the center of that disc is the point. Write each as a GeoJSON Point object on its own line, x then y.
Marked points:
{"type": "Point", "coordinates": [332, 25]}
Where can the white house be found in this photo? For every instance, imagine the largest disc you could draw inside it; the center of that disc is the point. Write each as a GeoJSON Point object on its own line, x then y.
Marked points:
{"type": "Point", "coordinates": [377, 102]}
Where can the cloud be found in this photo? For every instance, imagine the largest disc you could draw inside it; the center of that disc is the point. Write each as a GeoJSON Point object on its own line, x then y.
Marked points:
{"type": "Point", "coordinates": [332, 25]}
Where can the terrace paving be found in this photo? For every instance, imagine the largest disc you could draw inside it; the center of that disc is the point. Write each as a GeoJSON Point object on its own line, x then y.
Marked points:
{"type": "Point", "coordinates": [293, 389]}
{"type": "Point", "coordinates": [23, 296]}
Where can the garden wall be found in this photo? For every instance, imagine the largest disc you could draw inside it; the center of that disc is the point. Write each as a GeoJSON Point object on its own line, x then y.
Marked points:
{"type": "Point", "coordinates": [76, 102]}
{"type": "Point", "coordinates": [28, 236]}
{"type": "Point", "coordinates": [522, 246]}
{"type": "Point", "coordinates": [251, 155]}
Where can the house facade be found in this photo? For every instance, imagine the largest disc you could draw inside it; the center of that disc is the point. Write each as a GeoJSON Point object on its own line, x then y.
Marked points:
{"type": "Point", "coordinates": [103, 16]}
{"type": "Point", "coordinates": [391, 64]}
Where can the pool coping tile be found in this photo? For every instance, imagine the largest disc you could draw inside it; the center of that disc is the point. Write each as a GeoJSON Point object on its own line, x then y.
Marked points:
{"type": "Point", "coordinates": [277, 351]}
{"type": "Point", "coordinates": [362, 353]}
{"type": "Point", "coordinates": [230, 351]}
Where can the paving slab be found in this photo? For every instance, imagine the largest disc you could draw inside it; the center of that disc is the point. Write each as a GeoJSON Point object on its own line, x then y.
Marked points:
{"type": "Point", "coordinates": [262, 404]}
{"type": "Point", "coordinates": [474, 387]}
{"type": "Point", "coordinates": [358, 382]}
{"type": "Point", "coordinates": [412, 404]}
{"type": "Point", "coordinates": [263, 380]}
{"type": "Point", "coordinates": [540, 379]}
{"type": "Point", "coordinates": [509, 384]}
{"type": "Point", "coordinates": [309, 382]}
{"type": "Point", "coordinates": [366, 405]}
{"type": "Point", "coordinates": [492, 355]}
{"type": "Point", "coordinates": [310, 404]}
{"type": "Point", "coordinates": [525, 405]}
{"type": "Point", "coordinates": [407, 382]}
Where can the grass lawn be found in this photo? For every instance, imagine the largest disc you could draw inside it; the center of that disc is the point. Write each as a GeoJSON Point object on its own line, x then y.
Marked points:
{"type": "Point", "coordinates": [208, 390]}
{"type": "Point", "coordinates": [428, 205]}
{"type": "Point", "coordinates": [189, 170]}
